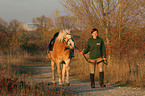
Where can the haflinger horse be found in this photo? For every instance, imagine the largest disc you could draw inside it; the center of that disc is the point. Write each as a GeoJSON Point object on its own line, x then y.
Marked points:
{"type": "Point", "coordinates": [61, 55]}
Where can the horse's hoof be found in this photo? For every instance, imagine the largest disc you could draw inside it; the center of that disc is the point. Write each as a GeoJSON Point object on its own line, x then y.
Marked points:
{"type": "Point", "coordinates": [61, 85]}
{"type": "Point", "coordinates": [50, 83]}
{"type": "Point", "coordinates": [54, 84]}
{"type": "Point", "coordinates": [67, 84]}
{"type": "Point", "coordinates": [102, 86]}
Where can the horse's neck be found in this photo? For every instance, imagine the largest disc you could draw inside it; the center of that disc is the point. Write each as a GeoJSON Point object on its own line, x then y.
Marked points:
{"type": "Point", "coordinates": [60, 51]}
{"type": "Point", "coordinates": [60, 44]}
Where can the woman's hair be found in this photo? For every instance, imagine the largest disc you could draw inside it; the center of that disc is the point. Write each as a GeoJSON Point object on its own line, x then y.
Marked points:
{"type": "Point", "coordinates": [94, 29]}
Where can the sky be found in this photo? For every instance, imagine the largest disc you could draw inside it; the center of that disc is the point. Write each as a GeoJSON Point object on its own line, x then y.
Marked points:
{"type": "Point", "coordinates": [25, 10]}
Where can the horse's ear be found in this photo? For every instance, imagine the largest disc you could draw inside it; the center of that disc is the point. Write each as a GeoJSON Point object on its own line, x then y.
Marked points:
{"type": "Point", "coordinates": [69, 30]}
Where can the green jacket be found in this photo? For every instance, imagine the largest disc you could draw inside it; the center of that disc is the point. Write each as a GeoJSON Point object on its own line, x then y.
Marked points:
{"type": "Point", "coordinates": [96, 47]}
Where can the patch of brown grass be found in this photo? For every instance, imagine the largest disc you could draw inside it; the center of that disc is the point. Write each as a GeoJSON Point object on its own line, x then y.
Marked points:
{"type": "Point", "coordinates": [15, 84]}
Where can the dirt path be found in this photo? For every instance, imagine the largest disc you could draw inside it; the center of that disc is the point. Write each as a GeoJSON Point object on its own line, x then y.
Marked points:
{"type": "Point", "coordinates": [43, 74]}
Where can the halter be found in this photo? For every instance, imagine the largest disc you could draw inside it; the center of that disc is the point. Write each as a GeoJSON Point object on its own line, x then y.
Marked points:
{"type": "Point", "coordinates": [66, 41]}
{"type": "Point", "coordinates": [68, 37]}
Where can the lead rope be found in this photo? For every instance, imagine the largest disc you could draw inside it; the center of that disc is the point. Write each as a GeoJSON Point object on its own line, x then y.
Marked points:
{"type": "Point", "coordinates": [90, 61]}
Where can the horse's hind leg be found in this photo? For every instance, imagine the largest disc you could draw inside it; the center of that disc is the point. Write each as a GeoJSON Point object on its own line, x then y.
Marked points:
{"type": "Point", "coordinates": [53, 72]}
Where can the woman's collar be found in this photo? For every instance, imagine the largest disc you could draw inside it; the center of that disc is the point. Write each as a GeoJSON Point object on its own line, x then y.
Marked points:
{"type": "Point", "coordinates": [96, 37]}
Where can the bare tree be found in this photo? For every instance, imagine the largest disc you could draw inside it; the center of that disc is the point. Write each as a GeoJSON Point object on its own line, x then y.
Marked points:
{"type": "Point", "coordinates": [65, 22]}
{"type": "Point", "coordinates": [106, 15]}
{"type": "Point", "coordinates": [13, 26]}
{"type": "Point", "coordinates": [54, 17]}
{"type": "Point", "coordinates": [43, 23]}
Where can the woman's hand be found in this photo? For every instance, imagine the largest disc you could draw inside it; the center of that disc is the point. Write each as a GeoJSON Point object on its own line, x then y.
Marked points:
{"type": "Point", "coordinates": [82, 52]}
{"type": "Point", "coordinates": [105, 60]}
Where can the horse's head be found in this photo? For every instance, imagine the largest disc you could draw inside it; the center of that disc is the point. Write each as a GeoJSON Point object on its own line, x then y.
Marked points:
{"type": "Point", "coordinates": [65, 36]}
{"type": "Point", "coordinates": [68, 40]}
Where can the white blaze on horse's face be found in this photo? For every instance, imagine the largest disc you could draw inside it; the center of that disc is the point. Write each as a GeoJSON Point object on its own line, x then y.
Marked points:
{"type": "Point", "coordinates": [69, 41]}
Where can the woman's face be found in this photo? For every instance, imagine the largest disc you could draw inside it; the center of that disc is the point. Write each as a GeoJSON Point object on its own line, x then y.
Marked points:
{"type": "Point", "coordinates": [94, 34]}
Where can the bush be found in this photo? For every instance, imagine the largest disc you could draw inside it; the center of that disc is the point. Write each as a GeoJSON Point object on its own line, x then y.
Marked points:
{"type": "Point", "coordinates": [31, 48]}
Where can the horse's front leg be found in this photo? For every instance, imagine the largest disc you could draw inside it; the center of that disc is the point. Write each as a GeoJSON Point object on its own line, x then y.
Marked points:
{"type": "Point", "coordinates": [53, 72]}
{"type": "Point", "coordinates": [67, 70]}
{"type": "Point", "coordinates": [63, 73]}
{"type": "Point", "coordinates": [59, 73]}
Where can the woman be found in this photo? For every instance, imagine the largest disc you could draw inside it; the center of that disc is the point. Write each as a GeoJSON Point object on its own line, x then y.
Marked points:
{"type": "Point", "coordinates": [96, 47]}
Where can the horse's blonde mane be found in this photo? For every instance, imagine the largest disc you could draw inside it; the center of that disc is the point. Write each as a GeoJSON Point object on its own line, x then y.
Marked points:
{"type": "Point", "coordinates": [62, 33]}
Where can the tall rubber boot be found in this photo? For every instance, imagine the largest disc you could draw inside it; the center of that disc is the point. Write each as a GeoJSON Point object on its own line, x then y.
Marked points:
{"type": "Point", "coordinates": [92, 80]}
{"type": "Point", "coordinates": [101, 77]}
